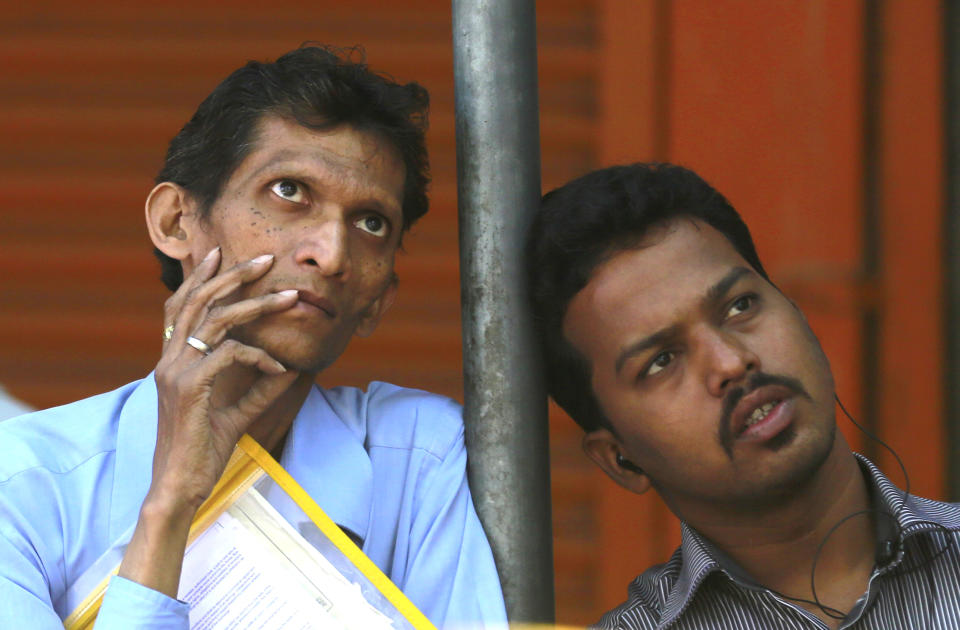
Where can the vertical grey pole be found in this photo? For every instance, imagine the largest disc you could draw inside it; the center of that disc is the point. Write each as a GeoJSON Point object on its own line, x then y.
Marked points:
{"type": "Point", "coordinates": [498, 169]}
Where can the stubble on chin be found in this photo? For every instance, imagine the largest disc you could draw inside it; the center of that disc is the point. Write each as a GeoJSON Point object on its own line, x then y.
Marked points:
{"type": "Point", "coordinates": [796, 472]}
{"type": "Point", "coordinates": [290, 354]}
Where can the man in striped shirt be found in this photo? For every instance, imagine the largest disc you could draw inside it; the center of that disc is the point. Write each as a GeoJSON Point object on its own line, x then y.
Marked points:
{"type": "Point", "coordinates": [692, 374]}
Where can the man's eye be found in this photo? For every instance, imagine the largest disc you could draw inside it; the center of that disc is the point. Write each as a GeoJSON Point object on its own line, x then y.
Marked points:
{"type": "Point", "coordinates": [740, 305]}
{"type": "Point", "coordinates": [373, 223]}
{"type": "Point", "coordinates": [659, 362]}
{"type": "Point", "coordinates": [289, 190]}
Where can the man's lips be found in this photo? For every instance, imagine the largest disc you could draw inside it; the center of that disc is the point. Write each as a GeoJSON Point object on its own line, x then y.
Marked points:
{"type": "Point", "coordinates": [774, 397]}
{"type": "Point", "coordinates": [318, 301]}
{"type": "Point", "coordinates": [758, 407]}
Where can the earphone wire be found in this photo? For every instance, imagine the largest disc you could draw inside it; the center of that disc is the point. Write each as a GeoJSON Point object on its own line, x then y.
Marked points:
{"type": "Point", "coordinates": [829, 610]}
{"type": "Point", "coordinates": [875, 438]}
{"type": "Point", "coordinates": [833, 612]}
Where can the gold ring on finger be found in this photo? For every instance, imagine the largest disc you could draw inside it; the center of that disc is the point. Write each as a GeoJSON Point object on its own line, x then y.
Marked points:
{"type": "Point", "coordinates": [168, 332]}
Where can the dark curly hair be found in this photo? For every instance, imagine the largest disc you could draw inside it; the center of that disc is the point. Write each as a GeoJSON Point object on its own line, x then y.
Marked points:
{"type": "Point", "coordinates": [319, 87]}
{"type": "Point", "coordinates": [587, 221]}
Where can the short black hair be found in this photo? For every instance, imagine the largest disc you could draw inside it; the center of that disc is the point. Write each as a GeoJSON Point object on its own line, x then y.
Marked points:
{"type": "Point", "coordinates": [321, 88]}
{"type": "Point", "coordinates": [587, 221]}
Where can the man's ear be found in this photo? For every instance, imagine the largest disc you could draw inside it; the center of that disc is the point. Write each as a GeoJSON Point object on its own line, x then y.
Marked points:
{"type": "Point", "coordinates": [371, 317]}
{"type": "Point", "coordinates": [171, 216]}
{"type": "Point", "coordinates": [604, 448]}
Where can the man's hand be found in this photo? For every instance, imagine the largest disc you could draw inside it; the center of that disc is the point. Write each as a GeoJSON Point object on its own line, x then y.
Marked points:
{"type": "Point", "coordinates": [194, 437]}
{"type": "Point", "coordinates": [196, 433]}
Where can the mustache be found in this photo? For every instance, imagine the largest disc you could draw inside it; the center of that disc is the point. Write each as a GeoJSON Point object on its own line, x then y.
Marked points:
{"type": "Point", "coordinates": [736, 394]}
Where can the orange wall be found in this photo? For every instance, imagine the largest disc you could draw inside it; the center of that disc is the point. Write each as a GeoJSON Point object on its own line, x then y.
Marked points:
{"type": "Point", "coordinates": [766, 99]}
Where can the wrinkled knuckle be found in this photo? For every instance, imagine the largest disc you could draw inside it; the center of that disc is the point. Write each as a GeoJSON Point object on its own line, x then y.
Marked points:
{"type": "Point", "coordinates": [230, 345]}
{"type": "Point", "coordinates": [257, 398]}
{"type": "Point", "coordinates": [216, 315]}
{"type": "Point", "coordinates": [194, 296]}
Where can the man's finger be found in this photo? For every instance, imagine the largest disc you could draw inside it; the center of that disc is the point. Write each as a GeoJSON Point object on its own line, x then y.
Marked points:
{"type": "Point", "coordinates": [221, 319]}
{"type": "Point", "coordinates": [232, 352]}
{"type": "Point", "coordinates": [263, 393]}
{"type": "Point", "coordinates": [201, 297]}
{"type": "Point", "coordinates": [204, 271]}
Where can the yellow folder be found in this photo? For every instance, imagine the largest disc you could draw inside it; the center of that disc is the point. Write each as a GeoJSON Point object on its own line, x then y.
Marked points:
{"type": "Point", "coordinates": [237, 503]}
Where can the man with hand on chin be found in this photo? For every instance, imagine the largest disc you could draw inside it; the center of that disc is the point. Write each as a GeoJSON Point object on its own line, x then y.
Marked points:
{"type": "Point", "coordinates": [276, 219]}
{"type": "Point", "coordinates": [692, 374]}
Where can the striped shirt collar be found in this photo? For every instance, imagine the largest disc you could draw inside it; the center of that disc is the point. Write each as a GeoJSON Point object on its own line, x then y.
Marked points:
{"type": "Point", "coordinates": [698, 557]}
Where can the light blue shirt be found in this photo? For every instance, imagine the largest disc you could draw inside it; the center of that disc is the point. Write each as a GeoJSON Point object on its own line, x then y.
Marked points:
{"type": "Point", "coordinates": [389, 464]}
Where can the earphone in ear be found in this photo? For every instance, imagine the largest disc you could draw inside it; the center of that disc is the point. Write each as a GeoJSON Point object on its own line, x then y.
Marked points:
{"type": "Point", "coordinates": [626, 464]}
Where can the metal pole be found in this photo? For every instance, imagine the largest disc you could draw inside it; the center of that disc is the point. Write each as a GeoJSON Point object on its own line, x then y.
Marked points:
{"type": "Point", "coordinates": [498, 169]}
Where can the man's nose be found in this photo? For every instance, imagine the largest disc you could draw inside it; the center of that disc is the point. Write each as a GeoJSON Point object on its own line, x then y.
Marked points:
{"type": "Point", "coordinates": [727, 360]}
{"type": "Point", "coordinates": [326, 248]}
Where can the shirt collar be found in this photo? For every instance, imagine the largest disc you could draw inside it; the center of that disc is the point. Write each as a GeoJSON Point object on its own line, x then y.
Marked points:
{"type": "Point", "coordinates": [329, 461]}
{"type": "Point", "coordinates": [913, 515]}
{"type": "Point", "coordinates": [698, 561]}
{"type": "Point", "coordinates": [701, 557]}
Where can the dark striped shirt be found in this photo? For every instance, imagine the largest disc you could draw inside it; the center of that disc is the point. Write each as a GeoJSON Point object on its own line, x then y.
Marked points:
{"type": "Point", "coordinates": [699, 588]}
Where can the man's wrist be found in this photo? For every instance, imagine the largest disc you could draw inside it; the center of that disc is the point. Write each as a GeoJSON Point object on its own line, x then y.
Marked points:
{"type": "Point", "coordinates": [154, 556]}
{"type": "Point", "coordinates": [168, 510]}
